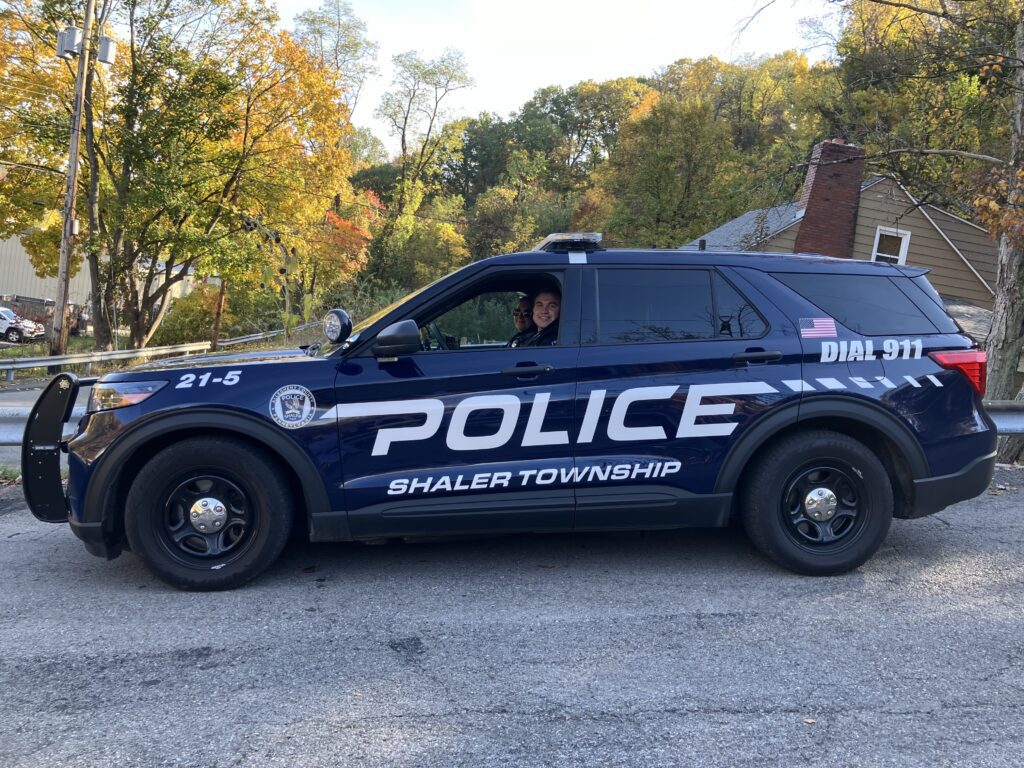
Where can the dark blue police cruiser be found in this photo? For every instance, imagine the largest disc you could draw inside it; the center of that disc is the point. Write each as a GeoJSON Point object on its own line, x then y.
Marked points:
{"type": "Point", "coordinates": [571, 388]}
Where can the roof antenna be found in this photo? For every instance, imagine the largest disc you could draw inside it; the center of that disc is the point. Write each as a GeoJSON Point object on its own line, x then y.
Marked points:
{"type": "Point", "coordinates": [702, 245]}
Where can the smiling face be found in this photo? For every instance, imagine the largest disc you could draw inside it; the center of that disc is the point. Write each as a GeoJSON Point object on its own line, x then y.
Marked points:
{"type": "Point", "coordinates": [521, 315]}
{"type": "Point", "coordinates": [546, 308]}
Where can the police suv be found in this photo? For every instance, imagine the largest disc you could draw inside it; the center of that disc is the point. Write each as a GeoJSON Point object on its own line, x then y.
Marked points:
{"type": "Point", "coordinates": [812, 398]}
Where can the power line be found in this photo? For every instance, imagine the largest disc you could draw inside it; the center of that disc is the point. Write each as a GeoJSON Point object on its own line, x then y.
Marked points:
{"type": "Point", "coordinates": [23, 80]}
{"type": "Point", "coordinates": [39, 94]}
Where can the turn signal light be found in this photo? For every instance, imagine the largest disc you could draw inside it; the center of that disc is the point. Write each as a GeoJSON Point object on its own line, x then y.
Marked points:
{"type": "Point", "coordinates": [972, 363]}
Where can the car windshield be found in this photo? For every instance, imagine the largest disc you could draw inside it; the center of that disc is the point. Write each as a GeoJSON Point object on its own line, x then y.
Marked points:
{"type": "Point", "coordinates": [7, 313]}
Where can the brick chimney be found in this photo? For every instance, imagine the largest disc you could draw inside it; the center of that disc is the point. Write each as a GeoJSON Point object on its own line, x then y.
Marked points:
{"type": "Point", "coordinates": [830, 197]}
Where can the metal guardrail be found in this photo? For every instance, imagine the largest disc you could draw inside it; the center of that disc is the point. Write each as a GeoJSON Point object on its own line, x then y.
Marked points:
{"type": "Point", "coordinates": [260, 336]}
{"type": "Point", "coordinates": [1008, 415]}
{"type": "Point", "coordinates": [11, 364]}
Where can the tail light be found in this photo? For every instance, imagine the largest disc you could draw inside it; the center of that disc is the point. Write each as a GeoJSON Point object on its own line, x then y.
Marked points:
{"type": "Point", "coordinates": [972, 363]}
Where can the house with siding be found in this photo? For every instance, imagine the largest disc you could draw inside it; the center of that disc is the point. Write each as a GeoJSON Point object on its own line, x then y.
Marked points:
{"type": "Point", "coordinates": [841, 214]}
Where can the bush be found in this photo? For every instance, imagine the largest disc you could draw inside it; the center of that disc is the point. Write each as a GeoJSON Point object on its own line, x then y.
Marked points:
{"type": "Point", "coordinates": [190, 318]}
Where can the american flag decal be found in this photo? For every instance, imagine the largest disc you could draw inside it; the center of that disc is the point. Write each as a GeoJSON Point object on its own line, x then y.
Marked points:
{"type": "Point", "coordinates": [817, 328]}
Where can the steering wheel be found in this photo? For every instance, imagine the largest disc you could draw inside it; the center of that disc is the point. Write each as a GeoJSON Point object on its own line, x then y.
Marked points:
{"type": "Point", "coordinates": [438, 336]}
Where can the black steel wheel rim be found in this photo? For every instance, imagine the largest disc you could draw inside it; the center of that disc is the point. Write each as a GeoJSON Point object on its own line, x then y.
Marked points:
{"type": "Point", "coordinates": [840, 528]}
{"type": "Point", "coordinates": [189, 545]}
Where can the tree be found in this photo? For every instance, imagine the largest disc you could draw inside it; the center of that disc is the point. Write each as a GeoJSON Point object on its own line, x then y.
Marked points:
{"type": "Point", "coordinates": [414, 110]}
{"type": "Point", "coordinates": [210, 119]}
{"type": "Point", "coordinates": [337, 39]}
{"type": "Point", "coordinates": [662, 169]}
{"type": "Point", "coordinates": [575, 127]}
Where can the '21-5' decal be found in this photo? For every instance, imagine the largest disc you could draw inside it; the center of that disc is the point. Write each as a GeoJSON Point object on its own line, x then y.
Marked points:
{"type": "Point", "coordinates": [852, 351]}
{"type": "Point", "coordinates": [230, 378]}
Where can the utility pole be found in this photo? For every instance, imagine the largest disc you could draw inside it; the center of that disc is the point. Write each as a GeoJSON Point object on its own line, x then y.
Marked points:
{"type": "Point", "coordinates": [59, 333]}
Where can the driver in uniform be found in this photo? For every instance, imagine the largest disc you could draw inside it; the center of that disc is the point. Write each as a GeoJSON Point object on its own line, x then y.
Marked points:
{"type": "Point", "coordinates": [522, 317]}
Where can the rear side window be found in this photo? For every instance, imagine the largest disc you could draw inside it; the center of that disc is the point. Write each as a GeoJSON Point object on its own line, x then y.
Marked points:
{"type": "Point", "coordinates": [636, 306]}
{"type": "Point", "coordinates": [735, 316]}
{"type": "Point", "coordinates": [645, 305]}
{"type": "Point", "coordinates": [872, 305]}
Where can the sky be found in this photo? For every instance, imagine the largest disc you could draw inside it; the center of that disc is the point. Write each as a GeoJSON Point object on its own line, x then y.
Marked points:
{"type": "Point", "coordinates": [513, 49]}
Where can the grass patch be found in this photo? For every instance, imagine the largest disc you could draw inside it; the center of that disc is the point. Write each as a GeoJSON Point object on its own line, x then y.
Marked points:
{"type": "Point", "coordinates": [9, 475]}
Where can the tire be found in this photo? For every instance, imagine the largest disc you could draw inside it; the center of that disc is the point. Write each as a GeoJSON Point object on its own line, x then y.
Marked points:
{"type": "Point", "coordinates": [817, 502]}
{"type": "Point", "coordinates": [13, 335]}
{"type": "Point", "coordinates": [246, 521]}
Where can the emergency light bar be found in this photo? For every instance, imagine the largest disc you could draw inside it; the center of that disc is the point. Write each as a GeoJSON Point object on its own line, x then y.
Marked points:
{"type": "Point", "coordinates": [570, 241]}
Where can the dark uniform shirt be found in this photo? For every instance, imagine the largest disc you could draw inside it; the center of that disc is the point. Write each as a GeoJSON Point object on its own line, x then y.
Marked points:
{"type": "Point", "coordinates": [546, 337]}
{"type": "Point", "coordinates": [520, 338]}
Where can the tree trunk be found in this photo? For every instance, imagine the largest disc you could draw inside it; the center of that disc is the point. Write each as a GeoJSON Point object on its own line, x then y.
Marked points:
{"type": "Point", "coordinates": [219, 314]}
{"type": "Point", "coordinates": [1006, 337]}
{"type": "Point", "coordinates": [100, 326]}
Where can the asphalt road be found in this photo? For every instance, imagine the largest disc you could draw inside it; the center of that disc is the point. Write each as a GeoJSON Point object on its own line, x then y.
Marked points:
{"type": "Point", "coordinates": [664, 649]}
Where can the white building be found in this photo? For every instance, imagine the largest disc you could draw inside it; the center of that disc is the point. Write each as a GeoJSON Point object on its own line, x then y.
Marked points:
{"type": "Point", "coordinates": [18, 276]}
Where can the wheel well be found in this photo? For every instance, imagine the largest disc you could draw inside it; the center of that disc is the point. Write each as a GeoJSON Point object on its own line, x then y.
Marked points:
{"type": "Point", "coordinates": [117, 495]}
{"type": "Point", "coordinates": [892, 458]}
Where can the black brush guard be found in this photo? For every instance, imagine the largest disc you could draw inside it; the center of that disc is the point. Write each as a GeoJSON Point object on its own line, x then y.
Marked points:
{"type": "Point", "coordinates": [41, 447]}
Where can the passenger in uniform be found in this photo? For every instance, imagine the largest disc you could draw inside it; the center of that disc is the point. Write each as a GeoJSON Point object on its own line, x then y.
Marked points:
{"type": "Point", "coordinates": [522, 316]}
{"type": "Point", "coordinates": [546, 307]}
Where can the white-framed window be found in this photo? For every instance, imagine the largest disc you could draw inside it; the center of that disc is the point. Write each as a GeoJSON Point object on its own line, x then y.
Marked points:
{"type": "Point", "coordinates": [891, 245]}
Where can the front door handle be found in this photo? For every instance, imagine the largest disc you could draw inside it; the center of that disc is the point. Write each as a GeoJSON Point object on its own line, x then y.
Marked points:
{"type": "Point", "coordinates": [757, 356]}
{"type": "Point", "coordinates": [527, 370]}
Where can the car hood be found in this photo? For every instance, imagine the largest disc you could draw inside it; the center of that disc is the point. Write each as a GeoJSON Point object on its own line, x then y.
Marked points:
{"type": "Point", "coordinates": [225, 359]}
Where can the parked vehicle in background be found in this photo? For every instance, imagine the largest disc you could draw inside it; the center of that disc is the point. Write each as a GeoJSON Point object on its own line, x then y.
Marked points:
{"type": "Point", "coordinates": [812, 398]}
{"type": "Point", "coordinates": [16, 329]}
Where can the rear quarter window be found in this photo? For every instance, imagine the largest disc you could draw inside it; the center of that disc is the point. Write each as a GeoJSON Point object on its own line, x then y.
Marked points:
{"type": "Point", "coordinates": [872, 305]}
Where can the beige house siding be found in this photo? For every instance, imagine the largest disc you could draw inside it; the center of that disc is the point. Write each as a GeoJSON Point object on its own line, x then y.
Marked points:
{"type": "Point", "coordinates": [886, 204]}
{"type": "Point", "coordinates": [782, 242]}
{"type": "Point", "coordinates": [973, 242]}
{"type": "Point", "coordinates": [18, 277]}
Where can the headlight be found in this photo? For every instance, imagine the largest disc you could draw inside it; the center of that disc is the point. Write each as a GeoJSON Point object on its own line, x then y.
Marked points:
{"type": "Point", "coordinates": [117, 394]}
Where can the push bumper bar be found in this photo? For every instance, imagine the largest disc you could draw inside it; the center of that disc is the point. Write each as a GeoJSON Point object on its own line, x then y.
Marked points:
{"type": "Point", "coordinates": [41, 447]}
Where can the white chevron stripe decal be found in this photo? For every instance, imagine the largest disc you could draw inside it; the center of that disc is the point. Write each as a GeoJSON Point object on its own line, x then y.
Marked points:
{"type": "Point", "coordinates": [913, 382]}
{"type": "Point", "coordinates": [832, 383]}
{"type": "Point", "coordinates": [799, 385]}
{"type": "Point", "coordinates": [934, 381]}
{"type": "Point", "coordinates": [861, 382]}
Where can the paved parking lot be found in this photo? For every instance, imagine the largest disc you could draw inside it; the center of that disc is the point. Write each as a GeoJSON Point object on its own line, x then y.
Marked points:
{"type": "Point", "coordinates": [680, 648]}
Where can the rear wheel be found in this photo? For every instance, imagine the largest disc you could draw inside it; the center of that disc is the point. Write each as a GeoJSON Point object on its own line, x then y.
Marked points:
{"type": "Point", "coordinates": [817, 502]}
{"type": "Point", "coordinates": [208, 513]}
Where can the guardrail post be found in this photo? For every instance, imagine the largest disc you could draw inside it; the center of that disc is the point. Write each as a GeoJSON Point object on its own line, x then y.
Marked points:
{"type": "Point", "coordinates": [9, 375]}
{"type": "Point", "coordinates": [88, 367]}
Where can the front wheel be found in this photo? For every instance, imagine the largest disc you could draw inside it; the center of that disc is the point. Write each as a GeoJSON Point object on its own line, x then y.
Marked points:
{"type": "Point", "coordinates": [817, 502]}
{"type": "Point", "coordinates": [13, 335]}
{"type": "Point", "coordinates": [208, 513]}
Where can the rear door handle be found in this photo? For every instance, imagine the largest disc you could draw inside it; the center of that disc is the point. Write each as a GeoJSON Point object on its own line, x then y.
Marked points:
{"type": "Point", "coordinates": [759, 356]}
{"type": "Point", "coordinates": [527, 370]}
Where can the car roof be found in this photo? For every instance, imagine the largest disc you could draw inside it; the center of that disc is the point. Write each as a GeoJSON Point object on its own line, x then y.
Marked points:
{"type": "Point", "coordinates": [767, 262]}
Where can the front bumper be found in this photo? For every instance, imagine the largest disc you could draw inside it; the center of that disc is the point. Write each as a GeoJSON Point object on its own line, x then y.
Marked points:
{"type": "Point", "coordinates": [933, 494]}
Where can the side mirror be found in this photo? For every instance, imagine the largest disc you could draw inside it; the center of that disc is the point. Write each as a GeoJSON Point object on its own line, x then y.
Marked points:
{"type": "Point", "coordinates": [402, 338]}
{"type": "Point", "coordinates": [337, 326]}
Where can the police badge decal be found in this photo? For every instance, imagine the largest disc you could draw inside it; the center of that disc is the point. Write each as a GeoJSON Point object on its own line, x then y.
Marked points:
{"type": "Point", "coordinates": [292, 406]}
